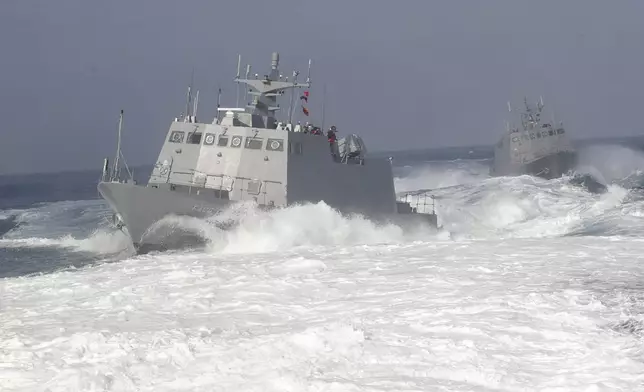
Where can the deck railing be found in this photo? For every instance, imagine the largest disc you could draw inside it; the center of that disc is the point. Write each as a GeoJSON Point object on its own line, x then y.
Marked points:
{"type": "Point", "coordinates": [249, 188]}
{"type": "Point", "coordinates": [418, 200]}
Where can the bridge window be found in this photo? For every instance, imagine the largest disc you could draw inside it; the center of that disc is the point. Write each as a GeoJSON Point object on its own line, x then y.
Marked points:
{"type": "Point", "coordinates": [222, 141]}
{"type": "Point", "coordinates": [209, 140]}
{"type": "Point", "coordinates": [236, 142]}
{"type": "Point", "coordinates": [275, 145]}
{"type": "Point", "coordinates": [254, 143]}
{"type": "Point", "coordinates": [176, 137]}
{"type": "Point", "coordinates": [194, 138]}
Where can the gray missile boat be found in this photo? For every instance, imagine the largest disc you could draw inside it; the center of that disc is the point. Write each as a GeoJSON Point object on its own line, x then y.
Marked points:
{"type": "Point", "coordinates": [539, 148]}
{"type": "Point", "coordinates": [253, 154]}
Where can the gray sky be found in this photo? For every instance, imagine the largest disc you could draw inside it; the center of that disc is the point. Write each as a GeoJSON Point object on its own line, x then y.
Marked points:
{"type": "Point", "coordinates": [403, 74]}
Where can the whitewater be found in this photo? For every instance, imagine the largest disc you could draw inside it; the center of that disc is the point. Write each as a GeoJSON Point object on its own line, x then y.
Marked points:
{"type": "Point", "coordinates": [530, 285]}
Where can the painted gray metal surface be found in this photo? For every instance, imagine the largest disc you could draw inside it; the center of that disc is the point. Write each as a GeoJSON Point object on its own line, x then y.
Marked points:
{"type": "Point", "coordinates": [141, 208]}
{"type": "Point", "coordinates": [247, 155]}
{"type": "Point", "coordinates": [536, 147]}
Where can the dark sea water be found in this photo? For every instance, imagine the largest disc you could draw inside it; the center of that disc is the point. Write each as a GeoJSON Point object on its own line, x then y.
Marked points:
{"type": "Point", "coordinates": [48, 222]}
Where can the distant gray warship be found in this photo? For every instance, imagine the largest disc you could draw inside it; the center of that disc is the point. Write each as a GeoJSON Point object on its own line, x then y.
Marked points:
{"type": "Point", "coordinates": [246, 154]}
{"type": "Point", "coordinates": [538, 148]}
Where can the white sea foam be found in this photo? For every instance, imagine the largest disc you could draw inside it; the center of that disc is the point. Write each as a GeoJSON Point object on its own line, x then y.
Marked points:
{"type": "Point", "coordinates": [487, 315]}
{"type": "Point", "coordinates": [103, 241]}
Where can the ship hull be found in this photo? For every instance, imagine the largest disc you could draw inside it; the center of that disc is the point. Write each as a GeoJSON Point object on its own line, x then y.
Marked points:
{"type": "Point", "coordinates": [553, 165]}
{"type": "Point", "coordinates": [548, 167]}
{"type": "Point", "coordinates": [140, 209]}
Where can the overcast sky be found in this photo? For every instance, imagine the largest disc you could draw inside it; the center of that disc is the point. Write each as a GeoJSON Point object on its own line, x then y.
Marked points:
{"type": "Point", "coordinates": [403, 74]}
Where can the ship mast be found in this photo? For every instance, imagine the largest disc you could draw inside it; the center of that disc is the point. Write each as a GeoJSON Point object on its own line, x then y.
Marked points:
{"type": "Point", "coordinates": [266, 90]}
{"type": "Point", "coordinates": [237, 77]}
{"type": "Point", "coordinates": [115, 174]}
{"type": "Point", "coordinates": [291, 102]}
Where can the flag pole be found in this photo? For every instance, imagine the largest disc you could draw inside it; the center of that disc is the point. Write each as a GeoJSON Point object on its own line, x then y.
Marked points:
{"type": "Point", "coordinates": [291, 107]}
{"type": "Point", "coordinates": [323, 104]}
{"type": "Point", "coordinates": [307, 92]}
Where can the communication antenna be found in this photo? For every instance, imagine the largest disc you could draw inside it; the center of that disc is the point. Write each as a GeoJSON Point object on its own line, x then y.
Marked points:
{"type": "Point", "coordinates": [237, 77]}
{"type": "Point", "coordinates": [248, 67]}
{"type": "Point", "coordinates": [218, 103]}
{"type": "Point", "coordinates": [115, 173]}
{"type": "Point", "coordinates": [308, 74]}
{"type": "Point", "coordinates": [291, 108]}
{"type": "Point", "coordinates": [189, 98]}
{"type": "Point", "coordinates": [195, 106]}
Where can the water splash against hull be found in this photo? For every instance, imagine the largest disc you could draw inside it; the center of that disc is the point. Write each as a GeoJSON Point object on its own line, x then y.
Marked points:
{"type": "Point", "coordinates": [469, 204]}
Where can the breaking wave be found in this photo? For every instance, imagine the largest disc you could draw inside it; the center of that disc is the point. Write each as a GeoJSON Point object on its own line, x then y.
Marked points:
{"type": "Point", "coordinates": [309, 225]}
{"type": "Point", "coordinates": [613, 164]}
{"type": "Point", "coordinates": [77, 226]}
{"type": "Point", "coordinates": [529, 207]}
{"type": "Point", "coordinates": [255, 230]}
{"type": "Point", "coordinates": [101, 241]}
{"type": "Point", "coordinates": [469, 204]}
{"type": "Point", "coordinates": [441, 174]}
{"type": "Point", "coordinates": [474, 205]}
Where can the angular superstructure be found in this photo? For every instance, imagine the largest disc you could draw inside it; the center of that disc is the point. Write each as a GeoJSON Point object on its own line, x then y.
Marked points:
{"type": "Point", "coordinates": [537, 147]}
{"type": "Point", "coordinates": [257, 154]}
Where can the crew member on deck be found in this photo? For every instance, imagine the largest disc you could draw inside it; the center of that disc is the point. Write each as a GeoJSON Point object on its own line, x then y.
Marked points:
{"type": "Point", "coordinates": [332, 139]}
{"type": "Point", "coordinates": [331, 135]}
